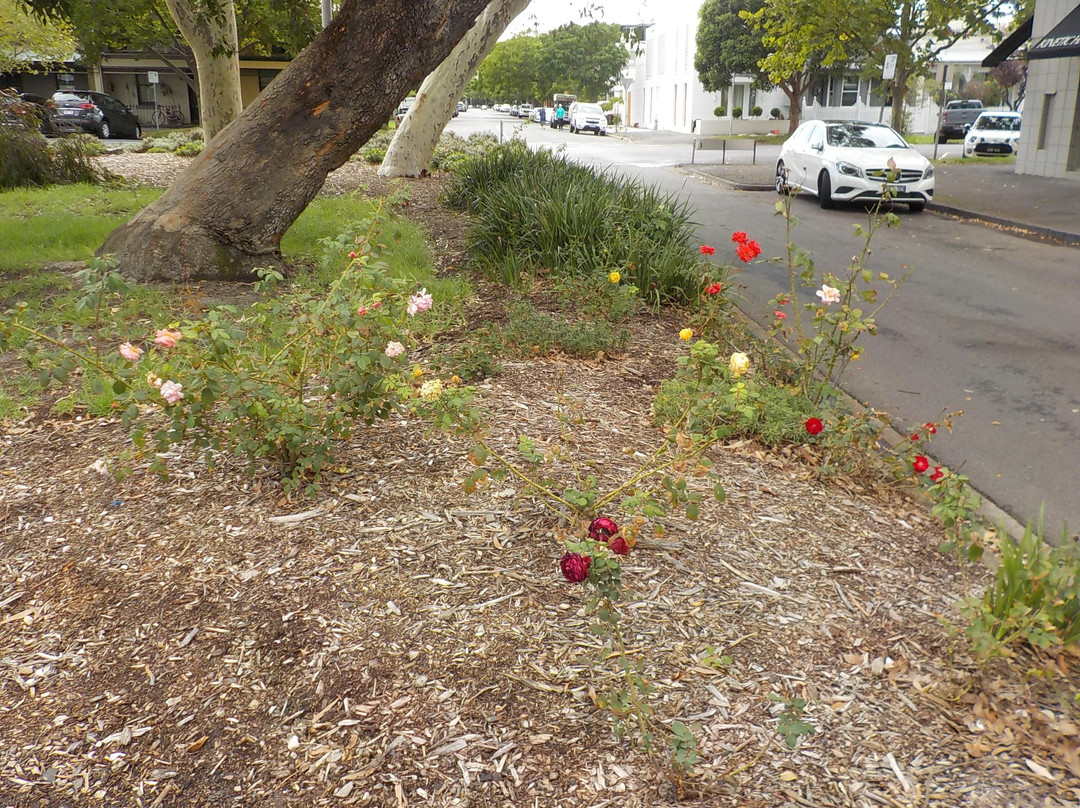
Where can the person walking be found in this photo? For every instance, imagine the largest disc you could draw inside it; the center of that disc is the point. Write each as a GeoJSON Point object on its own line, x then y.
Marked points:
{"type": "Point", "coordinates": [560, 117]}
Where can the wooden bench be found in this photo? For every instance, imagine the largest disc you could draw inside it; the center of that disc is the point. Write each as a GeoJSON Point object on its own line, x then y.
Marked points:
{"type": "Point", "coordinates": [725, 145]}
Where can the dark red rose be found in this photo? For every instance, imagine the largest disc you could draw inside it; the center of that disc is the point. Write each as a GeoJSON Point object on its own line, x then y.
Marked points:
{"type": "Point", "coordinates": [930, 427]}
{"type": "Point", "coordinates": [937, 474]}
{"type": "Point", "coordinates": [920, 464]}
{"type": "Point", "coordinates": [575, 567]}
{"type": "Point", "coordinates": [814, 425]}
{"type": "Point", "coordinates": [602, 529]}
{"type": "Point", "coordinates": [619, 546]}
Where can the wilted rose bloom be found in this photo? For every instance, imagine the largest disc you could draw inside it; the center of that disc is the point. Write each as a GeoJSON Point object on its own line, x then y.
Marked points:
{"type": "Point", "coordinates": [431, 389]}
{"type": "Point", "coordinates": [614, 277]}
{"type": "Point", "coordinates": [352, 255]}
{"type": "Point", "coordinates": [153, 380]}
{"type": "Point", "coordinates": [421, 301]}
{"type": "Point", "coordinates": [814, 426]}
{"type": "Point", "coordinates": [707, 250]}
{"type": "Point", "coordinates": [575, 567]}
{"type": "Point", "coordinates": [129, 351]}
{"type": "Point", "coordinates": [937, 474]}
{"type": "Point", "coordinates": [738, 364]}
{"type": "Point", "coordinates": [619, 546]}
{"type": "Point", "coordinates": [362, 311]}
{"type": "Point", "coordinates": [686, 334]}
{"type": "Point", "coordinates": [602, 528]}
{"type": "Point", "coordinates": [930, 427]}
{"type": "Point", "coordinates": [779, 315]}
{"type": "Point", "coordinates": [920, 464]}
{"type": "Point", "coordinates": [828, 294]}
{"type": "Point", "coordinates": [713, 290]}
{"type": "Point", "coordinates": [739, 237]}
{"type": "Point", "coordinates": [171, 391]}
{"type": "Point", "coordinates": [394, 349]}
{"type": "Point", "coordinates": [167, 339]}
{"type": "Point", "coordinates": [99, 466]}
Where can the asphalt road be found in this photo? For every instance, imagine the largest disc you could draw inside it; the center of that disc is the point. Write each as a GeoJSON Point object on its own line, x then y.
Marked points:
{"type": "Point", "coordinates": [984, 323]}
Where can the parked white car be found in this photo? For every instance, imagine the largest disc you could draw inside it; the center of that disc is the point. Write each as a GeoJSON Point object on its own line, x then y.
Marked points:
{"type": "Point", "coordinates": [586, 117]}
{"type": "Point", "coordinates": [853, 161]}
{"type": "Point", "coordinates": [993, 133]}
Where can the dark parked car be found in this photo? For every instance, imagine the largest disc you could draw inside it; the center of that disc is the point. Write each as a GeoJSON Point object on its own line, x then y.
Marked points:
{"type": "Point", "coordinates": [27, 109]}
{"type": "Point", "coordinates": [96, 113]}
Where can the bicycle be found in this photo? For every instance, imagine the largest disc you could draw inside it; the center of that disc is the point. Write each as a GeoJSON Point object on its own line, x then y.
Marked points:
{"type": "Point", "coordinates": [167, 115]}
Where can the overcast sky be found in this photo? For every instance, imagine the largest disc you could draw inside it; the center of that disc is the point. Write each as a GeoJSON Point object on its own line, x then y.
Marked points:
{"type": "Point", "coordinates": [544, 15]}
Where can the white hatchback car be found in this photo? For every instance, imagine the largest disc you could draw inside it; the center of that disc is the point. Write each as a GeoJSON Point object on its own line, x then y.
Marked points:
{"type": "Point", "coordinates": [854, 161]}
{"type": "Point", "coordinates": [993, 133]}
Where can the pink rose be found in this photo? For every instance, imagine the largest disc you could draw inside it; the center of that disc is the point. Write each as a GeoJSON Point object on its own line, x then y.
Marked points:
{"type": "Point", "coordinates": [421, 301]}
{"type": "Point", "coordinates": [171, 391]}
{"type": "Point", "coordinates": [394, 349]}
{"type": "Point", "coordinates": [167, 339]}
{"type": "Point", "coordinates": [129, 351]}
{"type": "Point", "coordinates": [575, 567]}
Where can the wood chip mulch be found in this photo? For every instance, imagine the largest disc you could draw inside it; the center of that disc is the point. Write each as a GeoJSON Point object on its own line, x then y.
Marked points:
{"type": "Point", "coordinates": [204, 641]}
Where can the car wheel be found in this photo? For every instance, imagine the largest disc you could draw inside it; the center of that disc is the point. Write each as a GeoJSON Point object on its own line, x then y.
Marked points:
{"type": "Point", "coordinates": [916, 207]}
{"type": "Point", "coordinates": [138, 132]}
{"type": "Point", "coordinates": [598, 133]}
{"type": "Point", "coordinates": [824, 190]}
{"type": "Point", "coordinates": [105, 132]}
{"type": "Point", "coordinates": [781, 174]}
{"type": "Point", "coordinates": [942, 139]}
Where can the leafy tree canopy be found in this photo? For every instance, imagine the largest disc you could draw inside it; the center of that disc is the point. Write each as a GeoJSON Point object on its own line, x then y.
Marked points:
{"type": "Point", "coordinates": [25, 39]}
{"type": "Point", "coordinates": [727, 44]}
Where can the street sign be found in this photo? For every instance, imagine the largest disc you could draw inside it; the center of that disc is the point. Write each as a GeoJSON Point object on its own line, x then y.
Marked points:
{"type": "Point", "coordinates": [152, 77]}
{"type": "Point", "coordinates": [888, 71]}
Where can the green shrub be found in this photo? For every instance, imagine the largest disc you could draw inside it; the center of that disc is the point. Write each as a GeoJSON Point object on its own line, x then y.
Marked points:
{"type": "Point", "coordinates": [776, 114]}
{"type": "Point", "coordinates": [1034, 599]}
{"type": "Point", "coordinates": [89, 145]}
{"type": "Point", "coordinates": [530, 332]}
{"type": "Point", "coordinates": [720, 112]}
{"type": "Point", "coordinates": [736, 112]}
{"type": "Point", "coordinates": [755, 112]}
{"type": "Point", "coordinates": [189, 149]}
{"type": "Point", "coordinates": [375, 149]}
{"type": "Point", "coordinates": [170, 141]}
{"type": "Point", "coordinates": [27, 160]}
{"type": "Point", "coordinates": [538, 211]}
{"type": "Point", "coordinates": [158, 150]}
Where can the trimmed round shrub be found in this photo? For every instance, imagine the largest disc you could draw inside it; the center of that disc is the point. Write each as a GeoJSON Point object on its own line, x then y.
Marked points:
{"type": "Point", "coordinates": [776, 114]}
{"type": "Point", "coordinates": [736, 112]}
{"type": "Point", "coordinates": [756, 112]}
{"type": "Point", "coordinates": [720, 112]}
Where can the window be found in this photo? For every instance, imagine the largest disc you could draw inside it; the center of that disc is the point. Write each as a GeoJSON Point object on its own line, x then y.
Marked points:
{"type": "Point", "coordinates": [265, 77]}
{"type": "Point", "coordinates": [849, 92]}
{"type": "Point", "coordinates": [1044, 119]}
{"type": "Point", "coordinates": [144, 89]}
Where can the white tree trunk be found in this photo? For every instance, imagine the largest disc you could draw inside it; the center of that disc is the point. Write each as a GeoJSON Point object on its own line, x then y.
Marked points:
{"type": "Point", "coordinates": [418, 133]}
{"type": "Point", "coordinates": [210, 31]}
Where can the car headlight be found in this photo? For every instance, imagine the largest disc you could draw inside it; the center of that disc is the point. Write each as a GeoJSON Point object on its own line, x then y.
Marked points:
{"type": "Point", "coordinates": [928, 172]}
{"type": "Point", "coordinates": [849, 169]}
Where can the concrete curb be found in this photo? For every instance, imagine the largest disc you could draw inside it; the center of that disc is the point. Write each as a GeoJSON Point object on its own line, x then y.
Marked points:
{"type": "Point", "coordinates": [1027, 230]}
{"type": "Point", "coordinates": [734, 184]}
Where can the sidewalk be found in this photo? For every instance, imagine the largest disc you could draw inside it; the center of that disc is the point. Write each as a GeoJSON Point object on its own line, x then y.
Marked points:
{"type": "Point", "coordinates": [1040, 206]}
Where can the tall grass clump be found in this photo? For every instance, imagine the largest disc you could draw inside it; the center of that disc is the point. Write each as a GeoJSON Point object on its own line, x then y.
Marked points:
{"type": "Point", "coordinates": [27, 160]}
{"type": "Point", "coordinates": [539, 211]}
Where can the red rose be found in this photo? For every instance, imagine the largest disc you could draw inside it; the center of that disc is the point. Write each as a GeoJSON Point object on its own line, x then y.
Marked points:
{"type": "Point", "coordinates": [938, 474]}
{"type": "Point", "coordinates": [619, 546]}
{"type": "Point", "coordinates": [779, 315]}
{"type": "Point", "coordinates": [931, 428]}
{"type": "Point", "coordinates": [739, 237]}
{"type": "Point", "coordinates": [814, 425]}
{"type": "Point", "coordinates": [713, 290]}
{"type": "Point", "coordinates": [913, 437]}
{"type": "Point", "coordinates": [747, 252]}
{"type": "Point", "coordinates": [707, 250]}
{"type": "Point", "coordinates": [575, 567]}
{"type": "Point", "coordinates": [920, 464]}
{"type": "Point", "coordinates": [602, 529]}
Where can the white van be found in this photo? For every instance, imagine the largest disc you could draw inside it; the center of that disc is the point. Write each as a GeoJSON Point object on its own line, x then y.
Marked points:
{"type": "Point", "coordinates": [585, 117]}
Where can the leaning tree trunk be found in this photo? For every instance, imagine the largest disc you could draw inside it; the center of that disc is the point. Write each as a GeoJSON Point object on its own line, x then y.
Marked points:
{"type": "Point", "coordinates": [212, 38]}
{"type": "Point", "coordinates": [414, 142]}
{"type": "Point", "coordinates": [227, 212]}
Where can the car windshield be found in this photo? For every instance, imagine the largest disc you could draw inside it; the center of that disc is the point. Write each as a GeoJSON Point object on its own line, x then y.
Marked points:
{"type": "Point", "coordinates": [63, 97]}
{"type": "Point", "coordinates": [590, 109]}
{"type": "Point", "coordinates": [864, 136]}
{"type": "Point", "coordinates": [1000, 123]}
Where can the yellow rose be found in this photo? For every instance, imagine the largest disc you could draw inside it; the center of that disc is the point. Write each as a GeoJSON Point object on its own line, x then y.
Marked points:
{"type": "Point", "coordinates": [417, 372]}
{"type": "Point", "coordinates": [739, 364]}
{"type": "Point", "coordinates": [686, 334]}
{"type": "Point", "coordinates": [431, 389]}
{"type": "Point", "coordinates": [614, 277]}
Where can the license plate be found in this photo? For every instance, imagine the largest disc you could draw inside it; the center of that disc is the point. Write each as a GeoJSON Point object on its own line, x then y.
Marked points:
{"type": "Point", "coordinates": [897, 189]}
{"type": "Point", "coordinates": [68, 112]}
{"type": "Point", "coordinates": [991, 149]}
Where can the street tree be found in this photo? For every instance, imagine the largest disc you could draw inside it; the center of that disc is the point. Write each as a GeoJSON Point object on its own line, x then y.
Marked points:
{"type": "Point", "coordinates": [727, 44]}
{"type": "Point", "coordinates": [418, 133]}
{"type": "Point", "coordinates": [585, 60]}
{"type": "Point", "coordinates": [206, 34]}
{"type": "Point", "coordinates": [1011, 77]}
{"type": "Point", "coordinates": [226, 214]}
{"type": "Point", "coordinates": [509, 73]}
{"type": "Point", "coordinates": [863, 32]}
{"type": "Point", "coordinates": [27, 41]}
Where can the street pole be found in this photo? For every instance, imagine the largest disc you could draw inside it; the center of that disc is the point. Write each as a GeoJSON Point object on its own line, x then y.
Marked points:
{"type": "Point", "coordinates": [941, 111]}
{"type": "Point", "coordinates": [327, 12]}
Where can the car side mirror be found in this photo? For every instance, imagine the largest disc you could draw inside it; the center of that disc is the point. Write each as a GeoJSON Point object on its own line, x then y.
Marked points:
{"type": "Point", "coordinates": [818, 146]}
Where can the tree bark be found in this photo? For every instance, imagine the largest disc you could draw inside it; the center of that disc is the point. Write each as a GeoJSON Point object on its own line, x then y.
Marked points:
{"type": "Point", "coordinates": [418, 134]}
{"type": "Point", "coordinates": [211, 35]}
{"type": "Point", "coordinates": [227, 212]}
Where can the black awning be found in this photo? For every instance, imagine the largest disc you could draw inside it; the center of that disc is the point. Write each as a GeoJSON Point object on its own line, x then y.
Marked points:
{"type": "Point", "coordinates": [1010, 44]}
{"type": "Point", "coordinates": [1063, 39]}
